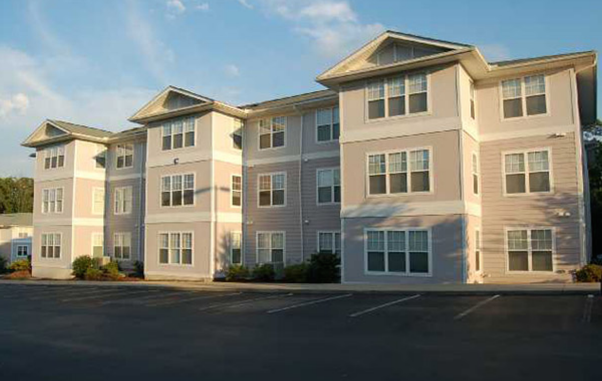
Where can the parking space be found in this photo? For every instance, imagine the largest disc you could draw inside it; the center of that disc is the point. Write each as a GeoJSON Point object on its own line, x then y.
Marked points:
{"type": "Point", "coordinates": [333, 333]}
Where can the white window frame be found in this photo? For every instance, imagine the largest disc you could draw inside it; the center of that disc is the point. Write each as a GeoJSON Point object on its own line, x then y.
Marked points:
{"type": "Point", "coordinates": [270, 248]}
{"type": "Point", "coordinates": [232, 191]}
{"type": "Point", "coordinates": [122, 238]}
{"type": "Point", "coordinates": [478, 250]}
{"type": "Point", "coordinates": [272, 174]}
{"type": "Point", "coordinates": [183, 176]}
{"type": "Point", "coordinates": [406, 95]}
{"type": "Point", "coordinates": [120, 208]}
{"type": "Point", "coordinates": [93, 245]}
{"type": "Point", "coordinates": [271, 133]}
{"type": "Point", "coordinates": [49, 191]}
{"type": "Point", "coordinates": [525, 153]}
{"type": "Point", "coordinates": [103, 199]}
{"type": "Point", "coordinates": [52, 152]}
{"type": "Point", "coordinates": [123, 147]}
{"type": "Point", "coordinates": [231, 247]}
{"type": "Point", "coordinates": [333, 234]}
{"type": "Point", "coordinates": [523, 98]}
{"type": "Point", "coordinates": [407, 273]}
{"type": "Point", "coordinates": [332, 123]}
{"type": "Point", "coordinates": [529, 249]}
{"type": "Point", "coordinates": [476, 172]}
{"type": "Point", "coordinates": [54, 235]}
{"type": "Point", "coordinates": [181, 248]}
{"type": "Point", "coordinates": [409, 172]}
{"type": "Point", "coordinates": [19, 253]}
{"type": "Point", "coordinates": [332, 187]}
{"type": "Point", "coordinates": [170, 124]}
{"type": "Point", "coordinates": [240, 128]}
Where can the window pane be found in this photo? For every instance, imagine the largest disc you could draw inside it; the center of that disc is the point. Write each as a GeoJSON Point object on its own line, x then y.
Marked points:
{"type": "Point", "coordinates": [376, 240]}
{"type": "Point", "coordinates": [277, 241]}
{"type": "Point", "coordinates": [515, 163]}
{"type": "Point", "coordinates": [397, 261]}
{"type": "Point", "coordinates": [324, 133]}
{"type": "Point", "coordinates": [189, 139]}
{"type": "Point", "coordinates": [535, 84]}
{"type": "Point", "coordinates": [398, 162]}
{"type": "Point", "coordinates": [418, 103]}
{"type": "Point", "coordinates": [277, 255]}
{"type": "Point", "coordinates": [263, 240]}
{"type": "Point", "coordinates": [236, 256]}
{"type": "Point", "coordinates": [376, 90]}
{"type": "Point", "coordinates": [396, 241]}
{"type": "Point", "coordinates": [278, 197]}
{"type": "Point", "coordinates": [176, 198]}
{"type": "Point", "coordinates": [278, 181]}
{"type": "Point", "coordinates": [541, 239]}
{"type": "Point", "coordinates": [278, 124]}
{"type": "Point", "coordinates": [417, 83]}
{"type": "Point", "coordinates": [378, 184]}
{"type": "Point", "coordinates": [397, 106]}
{"type": "Point", "coordinates": [542, 261]}
{"type": "Point", "coordinates": [419, 160]}
{"type": "Point", "coordinates": [539, 182]}
{"type": "Point", "coordinates": [278, 139]}
{"type": "Point", "coordinates": [398, 183]}
{"type": "Point", "coordinates": [538, 161]}
{"type": "Point", "coordinates": [177, 140]}
{"type": "Point", "coordinates": [188, 197]}
{"type": "Point", "coordinates": [166, 142]}
{"type": "Point", "coordinates": [513, 108]}
{"type": "Point", "coordinates": [326, 242]}
{"type": "Point", "coordinates": [324, 117]}
{"type": "Point", "coordinates": [418, 241]}
{"type": "Point", "coordinates": [419, 263]}
{"type": "Point", "coordinates": [517, 240]}
{"type": "Point", "coordinates": [536, 105]}
{"type": "Point", "coordinates": [187, 256]}
{"type": "Point", "coordinates": [376, 164]}
{"type": "Point", "coordinates": [396, 87]}
{"type": "Point", "coordinates": [264, 198]}
{"type": "Point", "coordinates": [163, 256]}
{"type": "Point", "coordinates": [420, 182]}
{"type": "Point", "coordinates": [324, 194]}
{"type": "Point", "coordinates": [511, 88]}
{"type": "Point", "coordinates": [325, 178]}
{"type": "Point", "coordinates": [376, 261]}
{"type": "Point", "coordinates": [237, 141]}
{"type": "Point", "coordinates": [376, 109]}
{"type": "Point", "coordinates": [518, 261]}
{"type": "Point", "coordinates": [265, 141]}
{"type": "Point", "coordinates": [515, 184]}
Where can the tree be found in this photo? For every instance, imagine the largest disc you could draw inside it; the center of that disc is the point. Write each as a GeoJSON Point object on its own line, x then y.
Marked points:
{"type": "Point", "coordinates": [16, 195]}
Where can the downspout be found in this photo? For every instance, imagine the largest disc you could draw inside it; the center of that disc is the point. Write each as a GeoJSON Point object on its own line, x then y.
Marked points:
{"type": "Point", "coordinates": [300, 185]}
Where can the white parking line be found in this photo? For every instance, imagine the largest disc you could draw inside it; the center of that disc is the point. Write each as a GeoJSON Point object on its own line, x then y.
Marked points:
{"type": "Point", "coordinates": [242, 303]}
{"type": "Point", "coordinates": [587, 311]}
{"type": "Point", "coordinates": [95, 295]}
{"type": "Point", "coordinates": [60, 293]}
{"type": "Point", "coordinates": [150, 297]}
{"type": "Point", "coordinates": [308, 303]}
{"type": "Point", "coordinates": [476, 306]}
{"type": "Point", "coordinates": [176, 301]}
{"type": "Point", "coordinates": [360, 313]}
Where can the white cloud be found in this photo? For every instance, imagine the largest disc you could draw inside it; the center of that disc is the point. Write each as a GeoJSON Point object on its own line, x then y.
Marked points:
{"type": "Point", "coordinates": [19, 103]}
{"type": "Point", "coordinates": [202, 7]}
{"type": "Point", "coordinates": [175, 6]}
{"type": "Point", "coordinates": [495, 52]}
{"type": "Point", "coordinates": [245, 3]}
{"type": "Point", "coordinates": [232, 70]}
{"type": "Point", "coordinates": [329, 11]}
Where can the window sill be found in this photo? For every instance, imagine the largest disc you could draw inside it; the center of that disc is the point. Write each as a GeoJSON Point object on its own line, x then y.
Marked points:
{"type": "Point", "coordinates": [409, 275]}
{"type": "Point", "coordinates": [528, 194]}
{"type": "Point", "coordinates": [519, 118]}
{"type": "Point", "coordinates": [391, 195]}
{"type": "Point", "coordinates": [397, 117]}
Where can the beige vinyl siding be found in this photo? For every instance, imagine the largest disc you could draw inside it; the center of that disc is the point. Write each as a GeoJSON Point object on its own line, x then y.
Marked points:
{"type": "Point", "coordinates": [86, 157]}
{"type": "Point", "coordinates": [66, 171]}
{"type": "Point", "coordinates": [472, 224]}
{"type": "Point", "coordinates": [67, 186]}
{"type": "Point", "coordinates": [291, 138]}
{"type": "Point", "coordinates": [82, 244]}
{"type": "Point", "coordinates": [470, 147]}
{"type": "Point", "coordinates": [125, 223]}
{"type": "Point", "coordinates": [222, 177]}
{"type": "Point", "coordinates": [222, 244]}
{"type": "Point", "coordinates": [55, 267]}
{"type": "Point", "coordinates": [139, 159]}
{"type": "Point", "coordinates": [84, 197]}
{"type": "Point", "coordinates": [537, 210]}
{"type": "Point", "coordinates": [310, 145]}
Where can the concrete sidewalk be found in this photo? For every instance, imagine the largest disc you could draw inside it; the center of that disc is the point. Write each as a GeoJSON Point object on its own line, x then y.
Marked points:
{"type": "Point", "coordinates": [451, 289]}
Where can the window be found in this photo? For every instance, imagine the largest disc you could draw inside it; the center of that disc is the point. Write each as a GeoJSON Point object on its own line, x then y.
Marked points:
{"type": "Point", "coordinates": [527, 172]}
{"type": "Point", "coordinates": [23, 233]}
{"type": "Point", "coordinates": [54, 157]}
{"type": "Point", "coordinates": [22, 251]}
{"type": "Point", "coordinates": [98, 201]}
{"type": "Point", "coordinates": [396, 96]}
{"type": "Point", "coordinates": [237, 131]}
{"type": "Point", "coordinates": [52, 200]}
{"type": "Point", "coordinates": [98, 246]}
{"type": "Point", "coordinates": [100, 159]}
{"type": "Point", "coordinates": [272, 132]}
{"type": "Point", "coordinates": [175, 248]}
{"type": "Point", "coordinates": [520, 94]}
{"type": "Point", "coordinates": [125, 156]}
{"type": "Point", "coordinates": [236, 190]}
{"type": "Point", "coordinates": [123, 200]}
{"type": "Point", "coordinates": [328, 125]}
{"type": "Point", "coordinates": [477, 250]}
{"type": "Point", "coordinates": [122, 246]}
{"type": "Point", "coordinates": [177, 190]}
{"type": "Point", "coordinates": [236, 248]}
{"type": "Point", "coordinates": [398, 251]}
{"type": "Point", "coordinates": [472, 101]}
{"type": "Point", "coordinates": [270, 247]}
{"type": "Point", "coordinates": [178, 133]}
{"type": "Point", "coordinates": [329, 242]}
{"type": "Point", "coordinates": [51, 245]}
{"type": "Point", "coordinates": [272, 189]}
{"type": "Point", "coordinates": [389, 173]}
{"type": "Point", "coordinates": [329, 186]}
{"type": "Point", "coordinates": [530, 249]}
{"type": "Point", "coordinates": [475, 173]}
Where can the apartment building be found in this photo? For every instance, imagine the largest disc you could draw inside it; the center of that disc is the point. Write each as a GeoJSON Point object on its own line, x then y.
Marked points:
{"type": "Point", "coordinates": [16, 230]}
{"type": "Point", "coordinates": [420, 162]}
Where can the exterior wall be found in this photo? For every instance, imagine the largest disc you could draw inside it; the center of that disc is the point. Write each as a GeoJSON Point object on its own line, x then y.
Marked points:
{"type": "Point", "coordinates": [222, 245]}
{"type": "Point", "coordinates": [41, 174]}
{"type": "Point", "coordinates": [6, 244]}
{"type": "Point", "coordinates": [132, 223]}
{"type": "Point", "coordinates": [56, 267]}
{"type": "Point", "coordinates": [291, 139]}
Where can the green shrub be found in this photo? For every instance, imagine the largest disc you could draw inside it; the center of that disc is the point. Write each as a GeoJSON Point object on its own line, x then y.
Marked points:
{"type": "Point", "coordinates": [20, 265]}
{"type": "Point", "coordinates": [138, 269]}
{"type": "Point", "coordinates": [3, 263]}
{"type": "Point", "coordinates": [323, 268]}
{"type": "Point", "coordinates": [82, 264]}
{"type": "Point", "coordinates": [111, 270]}
{"type": "Point", "coordinates": [296, 273]}
{"type": "Point", "coordinates": [93, 274]}
{"type": "Point", "coordinates": [237, 273]}
{"type": "Point", "coordinates": [264, 273]}
{"type": "Point", "coordinates": [589, 273]}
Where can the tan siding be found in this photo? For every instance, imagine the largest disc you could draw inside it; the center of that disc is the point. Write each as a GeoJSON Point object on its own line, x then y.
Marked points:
{"type": "Point", "coordinates": [125, 223]}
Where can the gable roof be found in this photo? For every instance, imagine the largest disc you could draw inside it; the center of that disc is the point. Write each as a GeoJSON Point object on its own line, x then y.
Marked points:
{"type": "Point", "coordinates": [143, 112]}
{"type": "Point", "coordinates": [16, 219]}
{"type": "Point", "coordinates": [68, 131]}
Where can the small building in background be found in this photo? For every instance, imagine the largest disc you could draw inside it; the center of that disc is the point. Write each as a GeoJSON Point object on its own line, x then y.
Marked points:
{"type": "Point", "coordinates": [16, 231]}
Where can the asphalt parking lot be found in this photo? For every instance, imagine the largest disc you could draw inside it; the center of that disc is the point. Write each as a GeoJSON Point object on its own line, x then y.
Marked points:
{"type": "Point", "coordinates": [100, 333]}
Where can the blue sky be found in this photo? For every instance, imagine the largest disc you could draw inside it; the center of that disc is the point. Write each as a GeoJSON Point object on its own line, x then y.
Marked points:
{"type": "Point", "coordinates": [97, 62]}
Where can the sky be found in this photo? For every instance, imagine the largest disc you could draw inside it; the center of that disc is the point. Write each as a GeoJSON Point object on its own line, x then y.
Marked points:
{"type": "Point", "coordinates": [97, 62]}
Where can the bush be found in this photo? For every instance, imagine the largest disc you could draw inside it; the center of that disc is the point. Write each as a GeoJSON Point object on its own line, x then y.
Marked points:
{"type": "Point", "coordinates": [3, 264]}
{"type": "Point", "coordinates": [237, 273]}
{"type": "Point", "coordinates": [20, 265]}
{"type": "Point", "coordinates": [264, 273]}
{"type": "Point", "coordinates": [111, 270]}
{"type": "Point", "coordinates": [93, 274]}
{"type": "Point", "coordinates": [296, 273]}
{"type": "Point", "coordinates": [138, 269]}
{"type": "Point", "coordinates": [323, 268]}
{"type": "Point", "coordinates": [589, 273]}
{"type": "Point", "coordinates": [82, 264]}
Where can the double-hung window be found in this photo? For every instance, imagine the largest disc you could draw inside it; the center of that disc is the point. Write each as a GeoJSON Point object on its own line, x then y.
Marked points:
{"type": "Point", "coordinates": [52, 200]}
{"type": "Point", "coordinates": [272, 189]}
{"type": "Point", "coordinates": [527, 172]}
{"type": "Point", "coordinates": [236, 190]}
{"type": "Point", "coordinates": [51, 245]}
{"type": "Point", "coordinates": [530, 249]}
{"type": "Point", "coordinates": [177, 190]}
{"type": "Point", "coordinates": [396, 96]}
{"type": "Point", "coordinates": [98, 201]}
{"type": "Point", "coordinates": [125, 156]}
{"type": "Point", "coordinates": [54, 157]}
{"type": "Point", "coordinates": [122, 246]}
{"type": "Point", "coordinates": [237, 133]}
{"type": "Point", "coordinates": [272, 132]}
{"type": "Point", "coordinates": [329, 186]}
{"type": "Point", "coordinates": [22, 251]}
{"type": "Point", "coordinates": [477, 250]}
{"type": "Point", "coordinates": [328, 125]}
{"type": "Point", "coordinates": [178, 133]}
{"type": "Point", "coordinates": [524, 96]}
{"type": "Point", "coordinates": [98, 246]}
{"type": "Point", "coordinates": [270, 247]}
{"type": "Point", "coordinates": [236, 248]}
{"type": "Point", "coordinates": [329, 242]}
{"type": "Point", "coordinates": [391, 173]}
{"type": "Point", "coordinates": [403, 252]}
{"type": "Point", "coordinates": [123, 200]}
{"type": "Point", "coordinates": [175, 248]}
{"type": "Point", "coordinates": [475, 174]}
